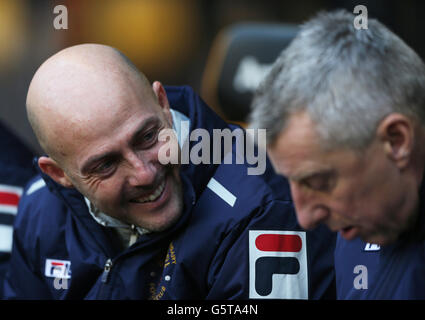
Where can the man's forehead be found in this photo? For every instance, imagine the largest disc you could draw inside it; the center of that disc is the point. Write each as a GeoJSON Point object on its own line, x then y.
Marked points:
{"type": "Point", "coordinates": [296, 167]}
{"type": "Point", "coordinates": [94, 111]}
{"type": "Point", "coordinates": [296, 152]}
{"type": "Point", "coordinates": [298, 136]}
{"type": "Point", "coordinates": [84, 84]}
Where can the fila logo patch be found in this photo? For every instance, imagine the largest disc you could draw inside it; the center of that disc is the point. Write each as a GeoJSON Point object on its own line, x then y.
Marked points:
{"type": "Point", "coordinates": [58, 269]}
{"type": "Point", "coordinates": [372, 247]}
{"type": "Point", "coordinates": [277, 265]}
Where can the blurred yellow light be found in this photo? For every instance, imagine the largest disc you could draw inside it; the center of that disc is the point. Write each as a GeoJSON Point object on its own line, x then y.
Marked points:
{"type": "Point", "coordinates": [12, 31]}
{"type": "Point", "coordinates": [156, 35]}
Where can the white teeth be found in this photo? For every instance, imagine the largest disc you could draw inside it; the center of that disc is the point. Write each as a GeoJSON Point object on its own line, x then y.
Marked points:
{"type": "Point", "coordinates": [153, 196]}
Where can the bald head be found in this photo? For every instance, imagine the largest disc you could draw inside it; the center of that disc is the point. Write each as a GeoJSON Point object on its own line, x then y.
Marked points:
{"type": "Point", "coordinates": [78, 87]}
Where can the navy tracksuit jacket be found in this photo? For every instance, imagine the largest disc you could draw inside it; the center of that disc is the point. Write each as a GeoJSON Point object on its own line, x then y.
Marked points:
{"type": "Point", "coordinates": [238, 238]}
{"type": "Point", "coordinates": [396, 271]}
{"type": "Point", "coordinates": [15, 171]}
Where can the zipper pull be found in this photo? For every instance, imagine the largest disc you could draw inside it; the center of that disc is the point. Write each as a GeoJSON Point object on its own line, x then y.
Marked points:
{"type": "Point", "coordinates": [107, 268]}
{"type": "Point", "coordinates": [134, 235]}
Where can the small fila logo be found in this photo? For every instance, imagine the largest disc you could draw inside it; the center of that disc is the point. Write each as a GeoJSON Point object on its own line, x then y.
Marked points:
{"type": "Point", "coordinates": [58, 269]}
{"type": "Point", "coordinates": [277, 265]}
{"type": "Point", "coordinates": [372, 247]}
{"type": "Point", "coordinates": [9, 198]}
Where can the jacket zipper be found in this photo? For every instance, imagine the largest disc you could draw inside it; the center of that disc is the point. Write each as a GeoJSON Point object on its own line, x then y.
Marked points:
{"type": "Point", "coordinates": [108, 264]}
{"type": "Point", "coordinates": [106, 269]}
{"type": "Point", "coordinates": [101, 295]}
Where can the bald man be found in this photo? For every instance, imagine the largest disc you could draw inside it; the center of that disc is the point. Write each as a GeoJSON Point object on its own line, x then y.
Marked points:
{"type": "Point", "coordinates": [106, 219]}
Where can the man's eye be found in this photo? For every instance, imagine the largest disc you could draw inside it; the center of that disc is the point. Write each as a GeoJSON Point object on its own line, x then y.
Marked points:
{"type": "Point", "coordinates": [149, 136]}
{"type": "Point", "coordinates": [104, 167]}
{"type": "Point", "coordinates": [148, 139]}
{"type": "Point", "coordinates": [319, 183]}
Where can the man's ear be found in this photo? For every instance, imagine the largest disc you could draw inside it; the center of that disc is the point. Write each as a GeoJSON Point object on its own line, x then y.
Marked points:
{"type": "Point", "coordinates": [52, 169]}
{"type": "Point", "coordinates": [160, 93]}
{"type": "Point", "coordinates": [396, 131]}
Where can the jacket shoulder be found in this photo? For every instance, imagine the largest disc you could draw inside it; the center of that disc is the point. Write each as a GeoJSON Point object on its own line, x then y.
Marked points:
{"type": "Point", "coordinates": [253, 190]}
{"type": "Point", "coordinates": [40, 211]}
{"type": "Point", "coordinates": [234, 199]}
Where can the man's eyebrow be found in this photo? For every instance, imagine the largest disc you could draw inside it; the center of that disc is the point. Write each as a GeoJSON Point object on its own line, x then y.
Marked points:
{"type": "Point", "coordinates": [87, 166]}
{"type": "Point", "coordinates": [311, 174]}
{"type": "Point", "coordinates": [153, 120]}
{"type": "Point", "coordinates": [112, 154]}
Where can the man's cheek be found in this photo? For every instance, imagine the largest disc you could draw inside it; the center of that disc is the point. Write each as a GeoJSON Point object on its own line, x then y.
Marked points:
{"type": "Point", "coordinates": [106, 198]}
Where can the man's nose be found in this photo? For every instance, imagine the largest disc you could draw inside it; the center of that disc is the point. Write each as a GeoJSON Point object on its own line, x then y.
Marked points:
{"type": "Point", "coordinates": [142, 172]}
{"type": "Point", "coordinates": [309, 210]}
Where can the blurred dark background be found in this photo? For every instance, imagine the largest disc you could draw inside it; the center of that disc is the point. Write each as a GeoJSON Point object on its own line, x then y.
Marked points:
{"type": "Point", "coordinates": [169, 40]}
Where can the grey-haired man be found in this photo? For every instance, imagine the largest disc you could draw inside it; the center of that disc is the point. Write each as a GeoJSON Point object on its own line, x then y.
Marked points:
{"type": "Point", "coordinates": [345, 114]}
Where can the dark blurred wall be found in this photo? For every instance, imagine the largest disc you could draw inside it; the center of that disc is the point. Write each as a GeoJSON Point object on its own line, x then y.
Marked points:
{"type": "Point", "coordinates": [405, 18]}
{"type": "Point", "coordinates": [167, 39]}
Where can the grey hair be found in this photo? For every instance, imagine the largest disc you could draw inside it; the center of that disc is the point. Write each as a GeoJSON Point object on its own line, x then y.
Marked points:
{"type": "Point", "coordinates": [347, 80]}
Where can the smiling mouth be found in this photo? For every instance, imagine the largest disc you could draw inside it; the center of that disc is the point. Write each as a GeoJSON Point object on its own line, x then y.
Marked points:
{"type": "Point", "coordinates": [153, 196]}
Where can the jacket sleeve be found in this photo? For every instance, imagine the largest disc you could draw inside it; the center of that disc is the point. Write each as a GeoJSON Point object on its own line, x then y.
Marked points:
{"type": "Point", "coordinates": [24, 279]}
{"type": "Point", "coordinates": [268, 255]}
